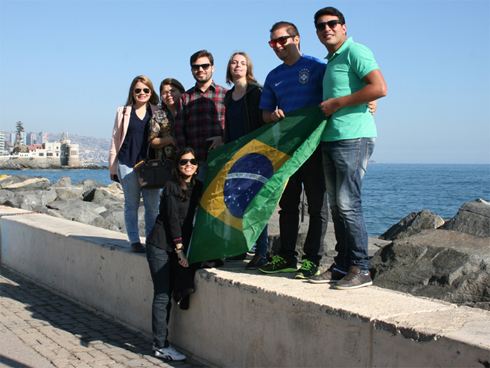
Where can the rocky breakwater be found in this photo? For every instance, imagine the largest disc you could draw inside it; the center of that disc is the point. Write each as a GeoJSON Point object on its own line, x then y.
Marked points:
{"type": "Point", "coordinates": [88, 201]}
{"type": "Point", "coordinates": [446, 260]}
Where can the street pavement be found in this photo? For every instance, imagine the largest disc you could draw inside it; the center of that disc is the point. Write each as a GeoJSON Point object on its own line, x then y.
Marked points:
{"type": "Point", "coordinates": [40, 329]}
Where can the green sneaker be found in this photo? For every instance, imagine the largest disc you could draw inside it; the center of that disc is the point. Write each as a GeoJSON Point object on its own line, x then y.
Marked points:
{"type": "Point", "coordinates": [278, 264]}
{"type": "Point", "coordinates": [306, 270]}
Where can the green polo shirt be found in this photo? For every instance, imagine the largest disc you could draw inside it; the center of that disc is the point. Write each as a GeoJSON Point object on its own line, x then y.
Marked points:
{"type": "Point", "coordinates": [345, 70]}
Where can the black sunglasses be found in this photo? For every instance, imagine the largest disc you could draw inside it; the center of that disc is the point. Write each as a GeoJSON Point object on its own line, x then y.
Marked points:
{"type": "Point", "coordinates": [196, 67]}
{"type": "Point", "coordinates": [331, 24]}
{"type": "Point", "coordinates": [138, 90]}
{"type": "Point", "coordinates": [184, 161]}
{"type": "Point", "coordinates": [280, 40]}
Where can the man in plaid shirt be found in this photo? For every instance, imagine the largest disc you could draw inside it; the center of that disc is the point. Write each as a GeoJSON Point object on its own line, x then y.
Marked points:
{"type": "Point", "coordinates": [200, 118]}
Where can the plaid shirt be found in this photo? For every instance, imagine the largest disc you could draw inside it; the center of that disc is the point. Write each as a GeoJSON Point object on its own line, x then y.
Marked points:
{"type": "Point", "coordinates": [201, 115]}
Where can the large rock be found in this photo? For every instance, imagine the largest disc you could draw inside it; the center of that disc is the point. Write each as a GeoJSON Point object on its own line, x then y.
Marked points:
{"type": "Point", "coordinates": [84, 212]}
{"type": "Point", "coordinates": [88, 185]}
{"type": "Point", "coordinates": [473, 218]}
{"type": "Point", "coordinates": [5, 195]}
{"type": "Point", "coordinates": [28, 184]}
{"type": "Point", "coordinates": [63, 182]}
{"type": "Point", "coordinates": [6, 180]}
{"type": "Point", "coordinates": [69, 193]}
{"type": "Point", "coordinates": [441, 264]}
{"type": "Point", "coordinates": [99, 195]}
{"type": "Point", "coordinates": [413, 224]}
{"type": "Point", "coordinates": [30, 200]}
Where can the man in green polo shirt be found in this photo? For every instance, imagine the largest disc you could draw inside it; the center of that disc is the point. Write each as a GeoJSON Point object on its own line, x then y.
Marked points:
{"type": "Point", "coordinates": [352, 79]}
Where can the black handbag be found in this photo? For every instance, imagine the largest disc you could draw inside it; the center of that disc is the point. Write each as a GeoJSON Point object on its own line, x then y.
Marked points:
{"type": "Point", "coordinates": [153, 174]}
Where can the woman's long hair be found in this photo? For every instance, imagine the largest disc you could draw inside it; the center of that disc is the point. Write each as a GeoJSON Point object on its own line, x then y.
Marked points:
{"type": "Point", "coordinates": [250, 69]}
{"type": "Point", "coordinates": [177, 175]}
{"type": "Point", "coordinates": [147, 82]}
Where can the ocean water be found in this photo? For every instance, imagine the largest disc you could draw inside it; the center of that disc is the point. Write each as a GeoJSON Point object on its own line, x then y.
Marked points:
{"type": "Point", "coordinates": [390, 191]}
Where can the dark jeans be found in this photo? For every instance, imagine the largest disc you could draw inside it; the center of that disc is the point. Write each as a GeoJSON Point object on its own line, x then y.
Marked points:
{"type": "Point", "coordinates": [158, 260]}
{"type": "Point", "coordinates": [310, 176]}
{"type": "Point", "coordinates": [345, 164]}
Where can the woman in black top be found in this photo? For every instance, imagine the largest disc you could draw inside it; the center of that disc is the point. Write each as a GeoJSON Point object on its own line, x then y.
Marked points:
{"type": "Point", "coordinates": [167, 246]}
{"type": "Point", "coordinates": [243, 116]}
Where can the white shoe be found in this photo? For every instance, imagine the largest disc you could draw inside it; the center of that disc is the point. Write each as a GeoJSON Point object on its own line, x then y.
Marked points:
{"type": "Point", "coordinates": [168, 353]}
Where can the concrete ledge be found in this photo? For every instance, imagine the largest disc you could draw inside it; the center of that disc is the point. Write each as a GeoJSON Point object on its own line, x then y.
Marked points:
{"type": "Point", "coordinates": [241, 318]}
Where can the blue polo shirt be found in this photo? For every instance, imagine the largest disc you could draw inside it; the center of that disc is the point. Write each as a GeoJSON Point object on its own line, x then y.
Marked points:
{"type": "Point", "coordinates": [293, 87]}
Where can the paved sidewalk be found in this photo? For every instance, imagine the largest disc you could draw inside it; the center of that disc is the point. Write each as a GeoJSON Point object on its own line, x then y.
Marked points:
{"type": "Point", "coordinates": [40, 329]}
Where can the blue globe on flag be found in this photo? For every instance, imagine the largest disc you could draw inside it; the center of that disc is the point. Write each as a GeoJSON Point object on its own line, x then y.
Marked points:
{"type": "Point", "coordinates": [244, 180]}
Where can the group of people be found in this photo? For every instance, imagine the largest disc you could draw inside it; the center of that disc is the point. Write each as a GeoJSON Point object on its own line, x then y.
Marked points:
{"type": "Point", "coordinates": [188, 124]}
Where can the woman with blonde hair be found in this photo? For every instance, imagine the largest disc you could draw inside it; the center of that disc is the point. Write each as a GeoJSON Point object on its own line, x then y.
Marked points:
{"type": "Point", "coordinates": [161, 126]}
{"type": "Point", "coordinates": [128, 147]}
{"type": "Point", "coordinates": [242, 116]}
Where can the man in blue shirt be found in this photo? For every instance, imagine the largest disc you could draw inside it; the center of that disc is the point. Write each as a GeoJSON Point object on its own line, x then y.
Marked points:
{"type": "Point", "coordinates": [352, 79]}
{"type": "Point", "coordinates": [295, 84]}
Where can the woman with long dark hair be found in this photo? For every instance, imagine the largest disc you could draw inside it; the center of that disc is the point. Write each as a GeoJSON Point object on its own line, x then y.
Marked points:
{"type": "Point", "coordinates": [128, 147]}
{"type": "Point", "coordinates": [167, 246]}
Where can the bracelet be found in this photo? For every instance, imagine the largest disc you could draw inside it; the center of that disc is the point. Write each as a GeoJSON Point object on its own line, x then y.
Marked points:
{"type": "Point", "coordinates": [179, 249]}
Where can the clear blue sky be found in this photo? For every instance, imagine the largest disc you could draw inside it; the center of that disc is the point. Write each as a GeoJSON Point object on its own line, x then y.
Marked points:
{"type": "Point", "coordinates": [67, 65]}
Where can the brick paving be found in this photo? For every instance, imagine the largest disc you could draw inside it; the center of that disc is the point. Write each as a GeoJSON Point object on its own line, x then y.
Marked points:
{"type": "Point", "coordinates": [57, 332]}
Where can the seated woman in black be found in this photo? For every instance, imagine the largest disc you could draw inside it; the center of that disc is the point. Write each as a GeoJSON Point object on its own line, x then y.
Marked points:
{"type": "Point", "coordinates": [167, 246]}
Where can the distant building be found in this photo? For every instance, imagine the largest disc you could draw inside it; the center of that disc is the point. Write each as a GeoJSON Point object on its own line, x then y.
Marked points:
{"type": "Point", "coordinates": [64, 151]}
{"type": "Point", "coordinates": [2, 144]}
{"type": "Point", "coordinates": [69, 152]}
{"type": "Point", "coordinates": [43, 137]}
{"type": "Point", "coordinates": [30, 139]}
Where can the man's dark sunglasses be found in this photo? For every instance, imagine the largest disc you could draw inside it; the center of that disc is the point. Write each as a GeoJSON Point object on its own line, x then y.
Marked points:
{"type": "Point", "coordinates": [196, 67]}
{"type": "Point", "coordinates": [280, 40]}
{"type": "Point", "coordinates": [331, 24]}
{"type": "Point", "coordinates": [184, 161]}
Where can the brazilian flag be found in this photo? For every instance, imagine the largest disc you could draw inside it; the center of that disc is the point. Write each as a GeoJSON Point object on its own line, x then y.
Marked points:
{"type": "Point", "coordinates": [245, 180]}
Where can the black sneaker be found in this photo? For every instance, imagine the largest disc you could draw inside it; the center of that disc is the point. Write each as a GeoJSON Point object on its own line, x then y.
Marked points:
{"type": "Point", "coordinates": [329, 276]}
{"type": "Point", "coordinates": [279, 264]}
{"type": "Point", "coordinates": [138, 248]}
{"type": "Point", "coordinates": [306, 270]}
{"type": "Point", "coordinates": [354, 279]}
{"type": "Point", "coordinates": [256, 262]}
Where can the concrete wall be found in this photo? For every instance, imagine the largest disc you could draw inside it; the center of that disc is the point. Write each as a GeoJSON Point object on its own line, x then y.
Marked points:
{"type": "Point", "coordinates": [241, 318]}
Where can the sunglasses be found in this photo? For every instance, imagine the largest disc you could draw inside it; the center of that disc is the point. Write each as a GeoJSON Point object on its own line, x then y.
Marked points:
{"type": "Point", "coordinates": [184, 161]}
{"type": "Point", "coordinates": [138, 90]}
{"type": "Point", "coordinates": [196, 67]}
{"type": "Point", "coordinates": [280, 40]}
{"type": "Point", "coordinates": [331, 24]}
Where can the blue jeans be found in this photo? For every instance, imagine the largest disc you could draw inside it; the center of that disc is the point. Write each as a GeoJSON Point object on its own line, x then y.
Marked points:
{"type": "Point", "coordinates": [310, 176]}
{"type": "Point", "coordinates": [158, 260]}
{"type": "Point", "coordinates": [132, 194]}
{"type": "Point", "coordinates": [262, 243]}
{"type": "Point", "coordinates": [345, 164]}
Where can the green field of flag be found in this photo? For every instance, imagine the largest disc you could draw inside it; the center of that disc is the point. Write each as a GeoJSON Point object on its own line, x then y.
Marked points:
{"type": "Point", "coordinates": [245, 180]}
